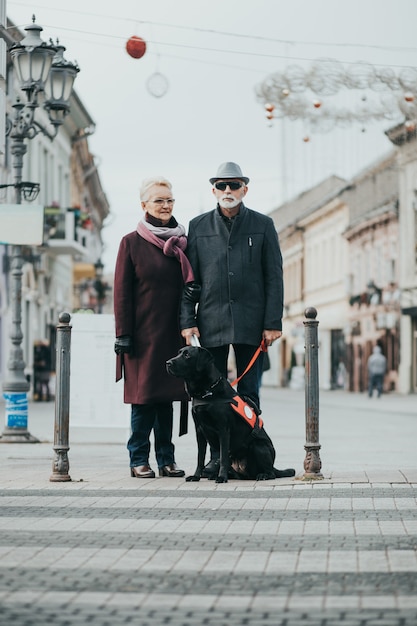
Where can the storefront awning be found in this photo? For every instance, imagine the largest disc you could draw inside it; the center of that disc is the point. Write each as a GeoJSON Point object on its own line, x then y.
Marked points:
{"type": "Point", "coordinates": [411, 310]}
{"type": "Point", "coordinates": [83, 270]}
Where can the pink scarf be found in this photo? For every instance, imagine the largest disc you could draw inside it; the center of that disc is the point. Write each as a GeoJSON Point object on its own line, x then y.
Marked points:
{"type": "Point", "coordinates": [171, 245]}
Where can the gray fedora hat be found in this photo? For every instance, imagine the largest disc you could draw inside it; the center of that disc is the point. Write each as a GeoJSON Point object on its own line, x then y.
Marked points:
{"type": "Point", "coordinates": [229, 170]}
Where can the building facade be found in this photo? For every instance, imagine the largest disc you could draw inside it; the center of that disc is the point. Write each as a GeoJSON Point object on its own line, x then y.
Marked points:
{"type": "Point", "coordinates": [314, 253]}
{"type": "Point", "coordinates": [344, 254]}
{"type": "Point", "coordinates": [404, 138]}
{"type": "Point", "coordinates": [75, 207]}
{"type": "Point", "coordinates": [373, 277]}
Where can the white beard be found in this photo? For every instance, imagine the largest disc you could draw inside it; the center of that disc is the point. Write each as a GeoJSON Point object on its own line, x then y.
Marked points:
{"type": "Point", "coordinates": [229, 202]}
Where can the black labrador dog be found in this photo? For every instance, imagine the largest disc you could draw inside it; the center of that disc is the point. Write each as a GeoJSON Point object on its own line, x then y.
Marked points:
{"type": "Point", "coordinates": [225, 420]}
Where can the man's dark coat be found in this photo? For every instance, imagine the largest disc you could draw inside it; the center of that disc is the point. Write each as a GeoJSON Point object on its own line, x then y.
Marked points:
{"type": "Point", "coordinates": [240, 273]}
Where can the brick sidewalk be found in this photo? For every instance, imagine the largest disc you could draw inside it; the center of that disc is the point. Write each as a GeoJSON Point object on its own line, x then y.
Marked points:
{"type": "Point", "coordinates": [106, 549]}
{"type": "Point", "coordinates": [187, 554]}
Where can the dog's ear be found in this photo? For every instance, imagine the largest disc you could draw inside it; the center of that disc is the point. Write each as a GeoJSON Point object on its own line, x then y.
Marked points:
{"type": "Point", "coordinates": [204, 359]}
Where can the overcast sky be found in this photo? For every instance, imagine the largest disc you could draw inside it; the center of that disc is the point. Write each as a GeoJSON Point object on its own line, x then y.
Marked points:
{"type": "Point", "coordinates": [213, 54]}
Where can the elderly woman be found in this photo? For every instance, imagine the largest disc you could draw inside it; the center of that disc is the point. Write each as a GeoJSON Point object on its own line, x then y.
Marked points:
{"type": "Point", "coordinates": [151, 270]}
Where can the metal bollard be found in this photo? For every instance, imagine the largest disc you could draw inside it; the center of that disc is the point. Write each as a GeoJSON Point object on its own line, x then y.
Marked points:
{"type": "Point", "coordinates": [60, 464]}
{"type": "Point", "coordinates": [312, 462]}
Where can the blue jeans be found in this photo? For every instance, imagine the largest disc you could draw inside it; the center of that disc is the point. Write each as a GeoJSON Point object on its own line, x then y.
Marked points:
{"type": "Point", "coordinates": [144, 418]}
{"type": "Point", "coordinates": [250, 384]}
{"type": "Point", "coordinates": [375, 381]}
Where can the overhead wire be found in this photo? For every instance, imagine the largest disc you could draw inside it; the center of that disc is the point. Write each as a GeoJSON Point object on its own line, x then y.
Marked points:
{"type": "Point", "coordinates": [249, 53]}
{"type": "Point", "coordinates": [218, 50]}
{"type": "Point", "coordinates": [213, 31]}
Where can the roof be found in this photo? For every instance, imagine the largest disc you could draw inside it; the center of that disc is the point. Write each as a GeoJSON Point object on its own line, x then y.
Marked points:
{"type": "Point", "coordinates": [308, 201]}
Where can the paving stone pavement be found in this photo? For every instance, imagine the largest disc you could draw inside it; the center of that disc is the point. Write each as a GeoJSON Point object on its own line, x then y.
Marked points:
{"type": "Point", "coordinates": [105, 549]}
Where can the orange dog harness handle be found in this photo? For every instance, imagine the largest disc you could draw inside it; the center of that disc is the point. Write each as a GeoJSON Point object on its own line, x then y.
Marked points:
{"type": "Point", "coordinates": [262, 348]}
{"type": "Point", "coordinates": [245, 411]}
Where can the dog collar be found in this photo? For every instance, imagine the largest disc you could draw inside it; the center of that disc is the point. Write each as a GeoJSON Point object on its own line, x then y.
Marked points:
{"type": "Point", "coordinates": [209, 391]}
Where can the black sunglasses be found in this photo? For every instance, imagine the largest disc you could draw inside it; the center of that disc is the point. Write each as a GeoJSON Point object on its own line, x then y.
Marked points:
{"type": "Point", "coordinates": [232, 184]}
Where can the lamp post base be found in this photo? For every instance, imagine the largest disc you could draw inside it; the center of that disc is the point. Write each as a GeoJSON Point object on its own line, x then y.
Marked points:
{"type": "Point", "coordinates": [60, 465]}
{"type": "Point", "coordinates": [16, 422]}
{"type": "Point", "coordinates": [17, 435]}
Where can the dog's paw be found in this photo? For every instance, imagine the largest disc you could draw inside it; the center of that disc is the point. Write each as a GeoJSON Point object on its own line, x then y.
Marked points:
{"type": "Point", "coordinates": [265, 476]}
{"type": "Point", "coordinates": [192, 479]}
{"type": "Point", "coordinates": [287, 473]}
{"type": "Point", "coordinates": [221, 479]}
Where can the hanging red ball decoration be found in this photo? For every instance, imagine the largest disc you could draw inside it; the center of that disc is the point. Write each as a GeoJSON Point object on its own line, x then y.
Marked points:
{"type": "Point", "coordinates": [136, 47]}
{"type": "Point", "coordinates": [408, 97]}
{"type": "Point", "coordinates": [269, 107]}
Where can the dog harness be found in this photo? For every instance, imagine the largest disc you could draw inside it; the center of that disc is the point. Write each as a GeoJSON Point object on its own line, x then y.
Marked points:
{"type": "Point", "coordinates": [238, 404]}
{"type": "Point", "coordinates": [245, 411]}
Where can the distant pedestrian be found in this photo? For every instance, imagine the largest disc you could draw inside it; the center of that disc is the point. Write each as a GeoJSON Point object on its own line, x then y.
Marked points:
{"type": "Point", "coordinates": [42, 371]}
{"type": "Point", "coordinates": [377, 367]}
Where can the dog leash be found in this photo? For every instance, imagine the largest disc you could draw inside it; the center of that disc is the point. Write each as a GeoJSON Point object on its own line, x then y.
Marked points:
{"type": "Point", "coordinates": [184, 403]}
{"type": "Point", "coordinates": [262, 348]}
{"type": "Point", "coordinates": [195, 341]}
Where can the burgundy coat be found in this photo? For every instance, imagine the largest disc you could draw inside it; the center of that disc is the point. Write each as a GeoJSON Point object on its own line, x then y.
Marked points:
{"type": "Point", "coordinates": [147, 291]}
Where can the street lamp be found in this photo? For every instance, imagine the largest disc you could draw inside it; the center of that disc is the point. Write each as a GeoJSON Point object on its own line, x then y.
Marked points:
{"type": "Point", "coordinates": [98, 268]}
{"type": "Point", "coordinates": [47, 80]}
{"type": "Point", "coordinates": [373, 293]}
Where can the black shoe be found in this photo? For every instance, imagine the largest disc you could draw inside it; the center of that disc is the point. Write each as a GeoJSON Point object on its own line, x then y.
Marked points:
{"type": "Point", "coordinates": [211, 469]}
{"type": "Point", "coordinates": [171, 470]}
{"type": "Point", "coordinates": [142, 471]}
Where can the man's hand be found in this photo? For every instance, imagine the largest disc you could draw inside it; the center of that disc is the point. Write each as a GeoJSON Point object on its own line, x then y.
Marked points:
{"type": "Point", "coordinates": [271, 335]}
{"type": "Point", "coordinates": [187, 333]}
{"type": "Point", "coordinates": [123, 344]}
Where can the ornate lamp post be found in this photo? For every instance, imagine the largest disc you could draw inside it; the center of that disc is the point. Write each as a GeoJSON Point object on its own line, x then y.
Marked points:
{"type": "Point", "coordinates": [47, 80]}
{"type": "Point", "coordinates": [312, 461]}
{"type": "Point", "coordinates": [373, 292]}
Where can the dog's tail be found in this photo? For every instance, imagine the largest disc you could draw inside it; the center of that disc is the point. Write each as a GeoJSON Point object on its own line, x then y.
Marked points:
{"type": "Point", "coordinates": [287, 473]}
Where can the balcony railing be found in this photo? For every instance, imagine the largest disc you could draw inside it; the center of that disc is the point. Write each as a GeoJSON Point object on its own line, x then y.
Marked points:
{"type": "Point", "coordinates": [65, 234]}
{"type": "Point", "coordinates": [389, 297]}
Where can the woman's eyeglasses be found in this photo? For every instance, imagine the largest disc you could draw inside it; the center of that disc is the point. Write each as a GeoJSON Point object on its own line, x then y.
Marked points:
{"type": "Point", "coordinates": [233, 185]}
{"type": "Point", "coordinates": [162, 201]}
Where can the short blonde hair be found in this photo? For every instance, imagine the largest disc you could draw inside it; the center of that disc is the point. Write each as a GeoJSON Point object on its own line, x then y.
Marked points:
{"type": "Point", "coordinates": [148, 183]}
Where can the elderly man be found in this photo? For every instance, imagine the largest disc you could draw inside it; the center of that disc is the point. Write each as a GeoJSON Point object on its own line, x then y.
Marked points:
{"type": "Point", "coordinates": [236, 259]}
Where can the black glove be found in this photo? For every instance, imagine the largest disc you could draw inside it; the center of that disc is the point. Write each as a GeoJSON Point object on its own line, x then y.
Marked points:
{"type": "Point", "coordinates": [123, 344]}
{"type": "Point", "coordinates": [192, 292]}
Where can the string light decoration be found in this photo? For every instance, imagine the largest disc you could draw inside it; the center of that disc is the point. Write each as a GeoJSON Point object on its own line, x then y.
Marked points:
{"type": "Point", "coordinates": [315, 95]}
{"type": "Point", "coordinates": [157, 85]}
